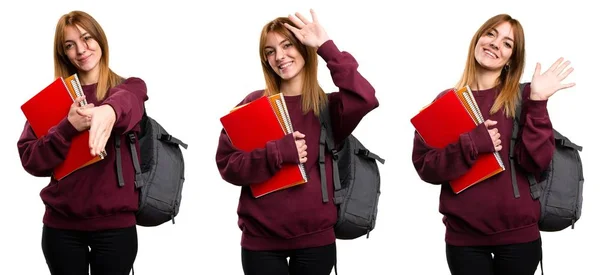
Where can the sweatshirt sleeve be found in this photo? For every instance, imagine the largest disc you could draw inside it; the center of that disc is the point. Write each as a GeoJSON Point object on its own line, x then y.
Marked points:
{"type": "Point", "coordinates": [356, 96]}
{"type": "Point", "coordinates": [127, 99]}
{"type": "Point", "coordinates": [535, 142]}
{"type": "Point", "coordinates": [439, 165]}
{"type": "Point", "coordinates": [39, 156]}
{"type": "Point", "coordinates": [244, 168]}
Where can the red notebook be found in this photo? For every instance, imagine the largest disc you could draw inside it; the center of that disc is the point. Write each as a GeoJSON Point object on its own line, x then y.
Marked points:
{"type": "Point", "coordinates": [250, 127]}
{"type": "Point", "coordinates": [442, 122]}
{"type": "Point", "coordinates": [45, 110]}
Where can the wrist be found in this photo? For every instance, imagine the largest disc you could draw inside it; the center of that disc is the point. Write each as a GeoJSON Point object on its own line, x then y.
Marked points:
{"type": "Point", "coordinates": [536, 97]}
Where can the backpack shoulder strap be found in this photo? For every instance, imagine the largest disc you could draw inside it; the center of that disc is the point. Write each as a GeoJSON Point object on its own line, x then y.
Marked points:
{"type": "Point", "coordinates": [534, 189]}
{"type": "Point", "coordinates": [326, 143]}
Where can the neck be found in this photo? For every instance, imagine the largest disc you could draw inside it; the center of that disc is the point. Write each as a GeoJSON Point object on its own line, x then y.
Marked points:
{"type": "Point", "coordinates": [90, 77]}
{"type": "Point", "coordinates": [292, 87]}
{"type": "Point", "coordinates": [485, 79]}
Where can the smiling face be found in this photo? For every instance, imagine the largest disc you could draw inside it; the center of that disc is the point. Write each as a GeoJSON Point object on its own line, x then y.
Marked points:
{"type": "Point", "coordinates": [283, 57]}
{"type": "Point", "coordinates": [82, 50]}
{"type": "Point", "coordinates": [495, 47]}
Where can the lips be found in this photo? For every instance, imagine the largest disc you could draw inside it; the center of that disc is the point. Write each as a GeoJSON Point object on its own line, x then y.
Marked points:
{"type": "Point", "coordinates": [284, 65]}
{"type": "Point", "coordinates": [490, 53]}
{"type": "Point", "coordinates": [83, 60]}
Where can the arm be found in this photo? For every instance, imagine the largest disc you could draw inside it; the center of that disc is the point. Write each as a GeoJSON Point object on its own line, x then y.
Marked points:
{"type": "Point", "coordinates": [127, 101]}
{"type": "Point", "coordinates": [39, 156]}
{"type": "Point", "coordinates": [535, 142]}
{"type": "Point", "coordinates": [244, 168]}
{"type": "Point", "coordinates": [356, 97]}
{"type": "Point", "coordinates": [441, 165]}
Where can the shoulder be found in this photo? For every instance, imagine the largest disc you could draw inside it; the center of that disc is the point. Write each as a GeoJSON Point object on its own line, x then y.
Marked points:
{"type": "Point", "coordinates": [132, 81]}
{"type": "Point", "coordinates": [132, 84]}
{"type": "Point", "coordinates": [443, 93]}
{"type": "Point", "coordinates": [253, 96]}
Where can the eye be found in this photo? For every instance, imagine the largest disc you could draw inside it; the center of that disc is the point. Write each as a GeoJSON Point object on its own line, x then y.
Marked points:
{"type": "Point", "coordinates": [508, 45]}
{"type": "Point", "coordinates": [269, 52]}
{"type": "Point", "coordinates": [287, 45]}
{"type": "Point", "coordinates": [68, 46]}
{"type": "Point", "coordinates": [86, 38]}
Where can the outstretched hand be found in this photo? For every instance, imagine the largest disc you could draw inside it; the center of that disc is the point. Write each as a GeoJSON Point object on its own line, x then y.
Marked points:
{"type": "Point", "coordinates": [311, 34]}
{"type": "Point", "coordinates": [102, 120]}
{"type": "Point", "coordinates": [543, 86]}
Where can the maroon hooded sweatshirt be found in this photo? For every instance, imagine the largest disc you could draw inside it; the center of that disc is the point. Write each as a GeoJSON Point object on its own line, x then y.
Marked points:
{"type": "Point", "coordinates": [487, 213]}
{"type": "Point", "coordinates": [296, 217]}
{"type": "Point", "coordinates": [89, 198]}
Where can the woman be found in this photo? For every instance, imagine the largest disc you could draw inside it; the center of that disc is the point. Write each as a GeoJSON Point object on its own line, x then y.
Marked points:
{"type": "Point", "coordinates": [88, 208]}
{"type": "Point", "coordinates": [486, 218]}
{"type": "Point", "coordinates": [295, 222]}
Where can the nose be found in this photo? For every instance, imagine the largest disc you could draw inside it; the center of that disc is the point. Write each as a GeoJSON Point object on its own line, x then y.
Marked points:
{"type": "Point", "coordinates": [279, 55]}
{"type": "Point", "coordinates": [81, 47]}
{"type": "Point", "coordinates": [493, 45]}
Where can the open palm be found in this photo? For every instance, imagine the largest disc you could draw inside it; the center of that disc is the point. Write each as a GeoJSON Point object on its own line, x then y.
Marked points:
{"type": "Point", "coordinates": [311, 34]}
{"type": "Point", "coordinates": [543, 86]}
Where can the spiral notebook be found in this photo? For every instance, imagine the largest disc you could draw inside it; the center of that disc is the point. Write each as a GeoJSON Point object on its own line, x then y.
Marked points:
{"type": "Point", "coordinates": [47, 109]}
{"type": "Point", "coordinates": [444, 120]}
{"type": "Point", "coordinates": [251, 126]}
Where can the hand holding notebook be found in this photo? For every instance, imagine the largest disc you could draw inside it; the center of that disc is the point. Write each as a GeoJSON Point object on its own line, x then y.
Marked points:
{"type": "Point", "coordinates": [252, 125]}
{"type": "Point", "coordinates": [443, 121]}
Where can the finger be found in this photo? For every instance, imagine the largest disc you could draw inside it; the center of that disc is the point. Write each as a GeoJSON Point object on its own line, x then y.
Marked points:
{"type": "Point", "coordinates": [314, 16]}
{"type": "Point", "coordinates": [303, 154]}
{"type": "Point", "coordinates": [302, 160]}
{"type": "Point", "coordinates": [566, 86]}
{"type": "Point", "coordinates": [538, 68]}
{"type": "Point", "coordinates": [555, 65]}
{"type": "Point", "coordinates": [499, 148]}
{"type": "Point", "coordinates": [293, 29]}
{"type": "Point", "coordinates": [93, 133]}
{"type": "Point", "coordinates": [298, 135]}
{"type": "Point", "coordinates": [302, 18]}
{"type": "Point", "coordinates": [85, 112]}
{"type": "Point", "coordinates": [564, 75]}
{"type": "Point", "coordinates": [79, 99]}
{"type": "Point", "coordinates": [562, 66]}
{"type": "Point", "coordinates": [304, 147]}
{"type": "Point", "coordinates": [98, 139]}
{"type": "Point", "coordinates": [490, 122]}
{"type": "Point", "coordinates": [296, 21]}
{"type": "Point", "coordinates": [102, 144]}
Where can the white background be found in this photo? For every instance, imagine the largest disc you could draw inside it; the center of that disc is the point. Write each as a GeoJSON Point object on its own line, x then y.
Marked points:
{"type": "Point", "coordinates": [209, 51]}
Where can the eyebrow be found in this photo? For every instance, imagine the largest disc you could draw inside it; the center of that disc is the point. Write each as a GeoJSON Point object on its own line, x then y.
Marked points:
{"type": "Point", "coordinates": [506, 37]}
{"type": "Point", "coordinates": [282, 41]}
{"type": "Point", "coordinates": [82, 35]}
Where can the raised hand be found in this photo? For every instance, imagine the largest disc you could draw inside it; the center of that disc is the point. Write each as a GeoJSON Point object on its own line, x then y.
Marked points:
{"type": "Point", "coordinates": [301, 146]}
{"type": "Point", "coordinates": [78, 121]}
{"type": "Point", "coordinates": [494, 134]}
{"type": "Point", "coordinates": [102, 121]}
{"type": "Point", "coordinates": [311, 34]}
{"type": "Point", "coordinates": [543, 86]}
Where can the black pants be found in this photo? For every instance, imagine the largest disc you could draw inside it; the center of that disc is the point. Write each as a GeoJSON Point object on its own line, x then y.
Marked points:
{"type": "Point", "coordinates": [70, 252]}
{"type": "Point", "coordinates": [514, 259]}
{"type": "Point", "coordinates": [308, 261]}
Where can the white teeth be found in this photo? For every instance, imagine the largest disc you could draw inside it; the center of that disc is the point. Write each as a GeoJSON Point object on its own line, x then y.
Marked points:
{"type": "Point", "coordinates": [490, 54]}
{"type": "Point", "coordinates": [285, 65]}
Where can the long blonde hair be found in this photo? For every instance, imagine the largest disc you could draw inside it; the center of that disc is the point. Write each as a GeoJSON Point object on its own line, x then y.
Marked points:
{"type": "Point", "coordinates": [313, 96]}
{"type": "Point", "coordinates": [63, 67]}
{"type": "Point", "coordinates": [508, 82]}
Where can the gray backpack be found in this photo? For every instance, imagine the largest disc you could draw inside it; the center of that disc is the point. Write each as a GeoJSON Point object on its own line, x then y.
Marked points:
{"type": "Point", "coordinates": [356, 182]}
{"type": "Point", "coordinates": [160, 175]}
{"type": "Point", "coordinates": [561, 188]}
